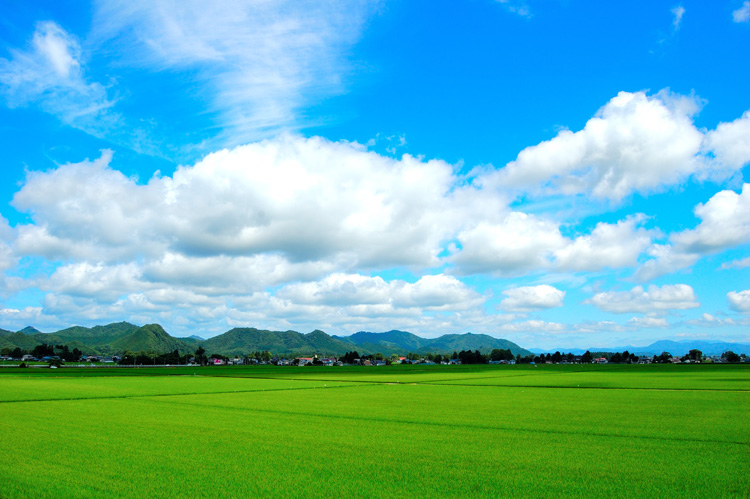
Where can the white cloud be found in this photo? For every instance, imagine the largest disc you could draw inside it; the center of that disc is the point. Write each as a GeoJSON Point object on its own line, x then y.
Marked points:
{"type": "Point", "coordinates": [517, 7]}
{"type": "Point", "coordinates": [608, 245]}
{"type": "Point", "coordinates": [708, 320]}
{"type": "Point", "coordinates": [263, 60]}
{"type": "Point", "coordinates": [725, 222]}
{"type": "Point", "coordinates": [730, 143]}
{"type": "Point", "coordinates": [303, 207]}
{"type": "Point", "coordinates": [635, 142]}
{"type": "Point", "coordinates": [430, 292]}
{"type": "Point", "coordinates": [524, 243]}
{"type": "Point", "coordinates": [532, 298]}
{"type": "Point", "coordinates": [535, 326]}
{"type": "Point", "coordinates": [638, 300]}
{"type": "Point", "coordinates": [95, 280]}
{"type": "Point", "coordinates": [7, 257]}
{"type": "Point", "coordinates": [594, 327]}
{"type": "Point", "coordinates": [648, 322]}
{"type": "Point", "coordinates": [50, 75]}
{"type": "Point", "coordinates": [288, 229]}
{"type": "Point", "coordinates": [736, 264]}
{"type": "Point", "coordinates": [12, 315]}
{"type": "Point", "coordinates": [665, 260]}
{"type": "Point", "coordinates": [739, 301]}
{"type": "Point", "coordinates": [677, 13]}
{"type": "Point", "coordinates": [517, 244]}
{"type": "Point", "coordinates": [224, 274]}
{"type": "Point", "coordinates": [742, 15]}
{"type": "Point", "coordinates": [307, 199]}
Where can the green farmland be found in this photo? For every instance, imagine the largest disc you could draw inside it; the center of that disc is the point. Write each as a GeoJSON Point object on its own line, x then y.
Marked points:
{"type": "Point", "coordinates": [398, 431]}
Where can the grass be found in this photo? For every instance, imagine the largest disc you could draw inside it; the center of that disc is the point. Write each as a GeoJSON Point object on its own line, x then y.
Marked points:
{"type": "Point", "coordinates": [409, 431]}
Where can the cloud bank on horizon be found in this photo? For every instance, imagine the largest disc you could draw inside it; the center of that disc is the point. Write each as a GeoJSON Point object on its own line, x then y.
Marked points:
{"type": "Point", "coordinates": [245, 195]}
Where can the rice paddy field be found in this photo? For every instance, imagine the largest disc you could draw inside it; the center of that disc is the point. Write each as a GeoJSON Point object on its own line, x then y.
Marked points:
{"type": "Point", "coordinates": [397, 431]}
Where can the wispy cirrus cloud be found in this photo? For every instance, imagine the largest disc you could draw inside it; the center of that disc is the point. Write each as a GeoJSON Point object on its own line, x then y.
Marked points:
{"type": "Point", "coordinates": [742, 14]}
{"type": "Point", "coordinates": [677, 13]}
{"type": "Point", "coordinates": [49, 74]}
{"type": "Point", "coordinates": [261, 62]}
{"type": "Point", "coordinates": [516, 7]}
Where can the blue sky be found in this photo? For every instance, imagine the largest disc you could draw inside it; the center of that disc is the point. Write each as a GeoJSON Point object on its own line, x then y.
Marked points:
{"type": "Point", "coordinates": [561, 173]}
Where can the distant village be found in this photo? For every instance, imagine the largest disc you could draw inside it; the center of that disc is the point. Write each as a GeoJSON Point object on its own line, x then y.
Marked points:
{"type": "Point", "coordinates": [59, 355]}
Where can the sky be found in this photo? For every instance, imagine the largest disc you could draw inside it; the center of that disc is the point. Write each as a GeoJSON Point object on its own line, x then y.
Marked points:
{"type": "Point", "coordinates": [560, 173]}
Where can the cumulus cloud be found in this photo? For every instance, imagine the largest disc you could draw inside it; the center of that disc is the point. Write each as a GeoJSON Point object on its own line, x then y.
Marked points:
{"type": "Point", "coordinates": [430, 292]}
{"type": "Point", "coordinates": [262, 60]}
{"type": "Point", "coordinates": [739, 301]}
{"type": "Point", "coordinates": [725, 222]}
{"type": "Point", "coordinates": [289, 228]}
{"type": "Point", "coordinates": [304, 208]}
{"type": "Point", "coordinates": [653, 300]}
{"type": "Point", "coordinates": [742, 14]}
{"type": "Point", "coordinates": [306, 199]}
{"type": "Point", "coordinates": [708, 320]}
{"type": "Point", "coordinates": [95, 280]}
{"type": "Point", "coordinates": [635, 143]}
{"type": "Point", "coordinates": [532, 298]}
{"type": "Point", "coordinates": [224, 274]}
{"type": "Point", "coordinates": [730, 143]}
{"type": "Point", "coordinates": [523, 242]}
{"type": "Point", "coordinates": [665, 259]}
{"type": "Point", "coordinates": [50, 74]}
{"type": "Point", "coordinates": [517, 244]}
{"type": "Point", "coordinates": [7, 256]}
{"type": "Point", "coordinates": [608, 245]}
{"type": "Point", "coordinates": [13, 315]}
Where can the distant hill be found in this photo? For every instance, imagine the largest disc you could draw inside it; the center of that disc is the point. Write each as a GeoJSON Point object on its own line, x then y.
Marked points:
{"type": "Point", "coordinates": [248, 340]}
{"type": "Point", "coordinates": [678, 348]}
{"type": "Point", "coordinates": [97, 335]}
{"type": "Point", "coordinates": [150, 338]}
{"type": "Point", "coordinates": [196, 337]}
{"type": "Point", "coordinates": [30, 330]}
{"type": "Point", "coordinates": [402, 342]}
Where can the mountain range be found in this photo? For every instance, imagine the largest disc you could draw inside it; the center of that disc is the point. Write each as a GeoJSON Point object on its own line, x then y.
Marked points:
{"type": "Point", "coordinates": [401, 341]}
{"type": "Point", "coordinates": [678, 348]}
{"type": "Point", "coordinates": [120, 337]}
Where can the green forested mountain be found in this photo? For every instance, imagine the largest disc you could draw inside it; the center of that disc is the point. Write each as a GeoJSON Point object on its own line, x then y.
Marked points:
{"type": "Point", "coordinates": [471, 341]}
{"type": "Point", "coordinates": [248, 340]}
{"type": "Point", "coordinates": [120, 337]}
{"type": "Point", "coordinates": [97, 335]}
{"type": "Point", "coordinates": [386, 343]}
{"type": "Point", "coordinates": [29, 330]}
{"type": "Point", "coordinates": [402, 341]}
{"type": "Point", "coordinates": [150, 338]}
